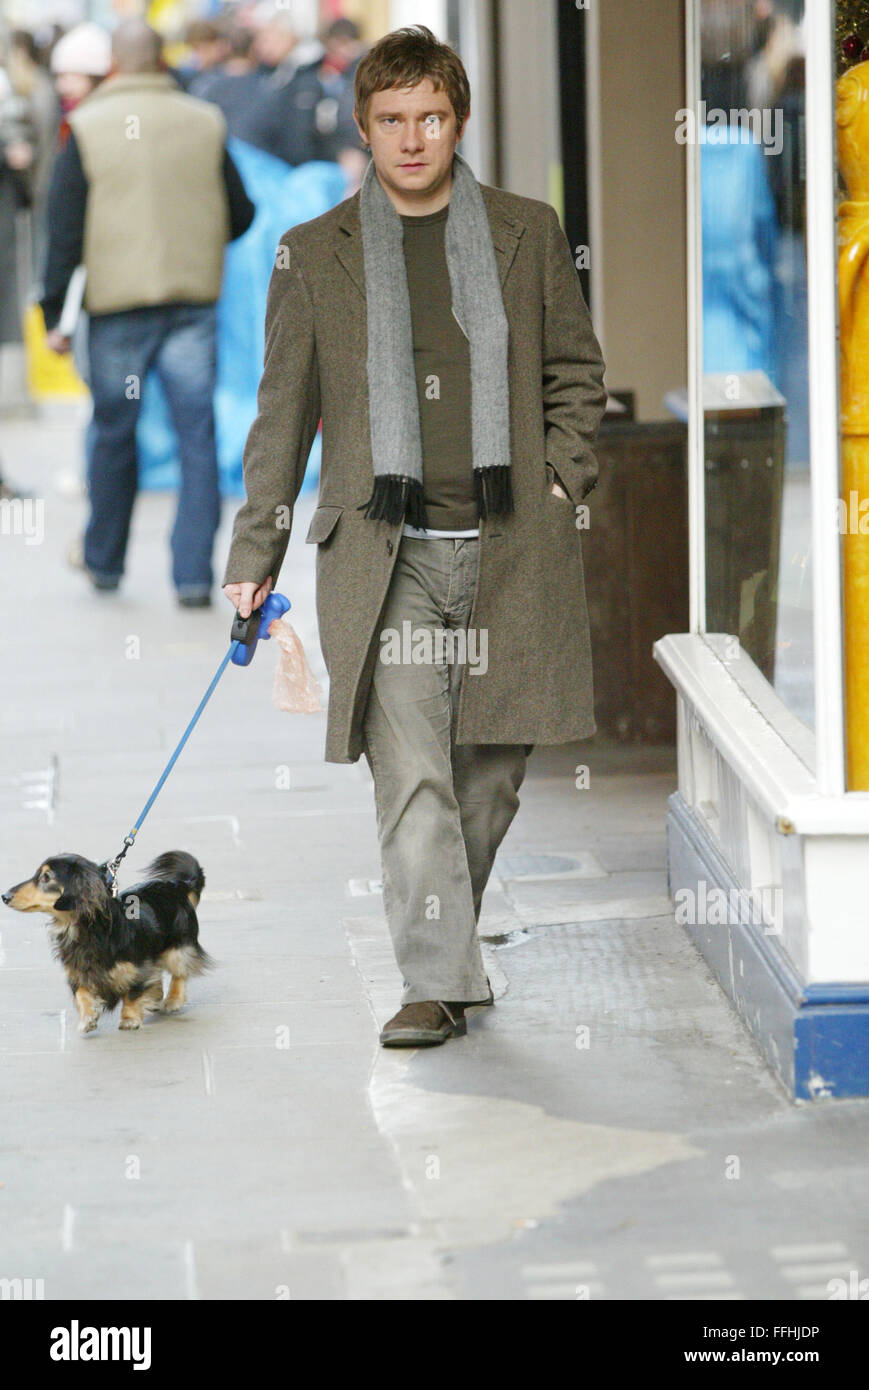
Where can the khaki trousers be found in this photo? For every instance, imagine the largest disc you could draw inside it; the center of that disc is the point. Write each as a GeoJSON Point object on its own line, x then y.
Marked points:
{"type": "Point", "coordinates": [442, 808]}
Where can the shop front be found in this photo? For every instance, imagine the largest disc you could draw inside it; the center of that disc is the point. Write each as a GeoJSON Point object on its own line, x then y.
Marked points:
{"type": "Point", "coordinates": [768, 831]}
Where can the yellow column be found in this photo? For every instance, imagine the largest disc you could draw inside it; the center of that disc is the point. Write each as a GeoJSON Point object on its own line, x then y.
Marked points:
{"type": "Point", "coordinates": [852, 120]}
{"type": "Point", "coordinates": [855, 574]}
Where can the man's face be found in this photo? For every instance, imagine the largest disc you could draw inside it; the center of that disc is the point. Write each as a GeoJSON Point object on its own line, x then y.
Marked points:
{"type": "Point", "coordinates": [73, 87]}
{"type": "Point", "coordinates": [413, 136]}
{"type": "Point", "coordinates": [211, 53]}
{"type": "Point", "coordinates": [273, 44]}
{"type": "Point", "coordinates": [340, 52]}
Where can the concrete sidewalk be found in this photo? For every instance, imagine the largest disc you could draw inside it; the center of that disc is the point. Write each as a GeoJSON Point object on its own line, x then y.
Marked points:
{"type": "Point", "coordinates": [607, 1130]}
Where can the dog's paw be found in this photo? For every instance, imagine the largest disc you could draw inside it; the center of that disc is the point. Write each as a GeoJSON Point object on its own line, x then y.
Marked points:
{"type": "Point", "coordinates": [88, 1025]}
{"type": "Point", "coordinates": [130, 1024]}
{"type": "Point", "coordinates": [172, 1006]}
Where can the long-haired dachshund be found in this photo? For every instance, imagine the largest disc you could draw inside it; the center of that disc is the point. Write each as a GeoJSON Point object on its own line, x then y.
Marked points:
{"type": "Point", "coordinates": [114, 949]}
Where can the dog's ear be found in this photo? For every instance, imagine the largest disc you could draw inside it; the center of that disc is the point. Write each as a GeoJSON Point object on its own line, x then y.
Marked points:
{"type": "Point", "coordinates": [65, 903]}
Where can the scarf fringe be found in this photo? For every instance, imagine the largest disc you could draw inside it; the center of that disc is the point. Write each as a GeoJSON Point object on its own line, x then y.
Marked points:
{"type": "Point", "coordinates": [398, 499]}
{"type": "Point", "coordinates": [395, 499]}
{"type": "Point", "coordinates": [493, 489]}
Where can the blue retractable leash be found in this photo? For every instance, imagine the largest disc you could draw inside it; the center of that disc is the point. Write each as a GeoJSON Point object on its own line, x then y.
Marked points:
{"type": "Point", "coordinates": [246, 632]}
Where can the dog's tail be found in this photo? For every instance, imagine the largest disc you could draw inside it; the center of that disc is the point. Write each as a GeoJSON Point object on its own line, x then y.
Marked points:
{"type": "Point", "coordinates": [177, 866]}
{"type": "Point", "coordinates": [200, 961]}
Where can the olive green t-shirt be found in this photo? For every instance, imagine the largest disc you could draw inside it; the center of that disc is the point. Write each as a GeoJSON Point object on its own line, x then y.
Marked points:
{"type": "Point", "coordinates": [442, 362]}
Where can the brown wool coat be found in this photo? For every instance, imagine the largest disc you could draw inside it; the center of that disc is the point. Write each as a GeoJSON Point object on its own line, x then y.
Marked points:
{"type": "Point", "coordinates": [530, 594]}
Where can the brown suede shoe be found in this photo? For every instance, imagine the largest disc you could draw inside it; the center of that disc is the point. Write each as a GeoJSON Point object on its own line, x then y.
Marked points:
{"type": "Point", "coordinates": [424, 1025]}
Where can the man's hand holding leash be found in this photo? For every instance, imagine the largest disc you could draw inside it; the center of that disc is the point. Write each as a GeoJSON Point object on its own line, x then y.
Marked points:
{"type": "Point", "coordinates": [246, 597]}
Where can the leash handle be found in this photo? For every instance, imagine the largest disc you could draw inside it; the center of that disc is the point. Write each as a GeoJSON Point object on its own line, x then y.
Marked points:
{"type": "Point", "coordinates": [246, 632]}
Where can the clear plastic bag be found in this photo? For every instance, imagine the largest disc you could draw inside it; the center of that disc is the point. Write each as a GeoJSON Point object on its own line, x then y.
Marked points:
{"type": "Point", "coordinates": [295, 688]}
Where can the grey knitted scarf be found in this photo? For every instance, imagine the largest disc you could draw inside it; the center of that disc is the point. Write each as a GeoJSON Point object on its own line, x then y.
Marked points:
{"type": "Point", "coordinates": [396, 443]}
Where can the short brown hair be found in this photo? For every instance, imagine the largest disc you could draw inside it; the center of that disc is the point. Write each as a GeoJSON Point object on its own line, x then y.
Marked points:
{"type": "Point", "coordinates": [204, 31]}
{"type": "Point", "coordinates": [405, 57]}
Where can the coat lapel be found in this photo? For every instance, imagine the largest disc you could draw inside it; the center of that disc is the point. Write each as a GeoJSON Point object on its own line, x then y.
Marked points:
{"type": "Point", "coordinates": [506, 231]}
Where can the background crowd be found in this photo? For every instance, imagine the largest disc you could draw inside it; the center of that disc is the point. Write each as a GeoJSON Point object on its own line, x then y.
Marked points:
{"type": "Point", "coordinates": [287, 95]}
{"type": "Point", "coordinates": [291, 150]}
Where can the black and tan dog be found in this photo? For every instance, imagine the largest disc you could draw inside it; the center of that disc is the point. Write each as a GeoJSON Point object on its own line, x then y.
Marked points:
{"type": "Point", "coordinates": [114, 949]}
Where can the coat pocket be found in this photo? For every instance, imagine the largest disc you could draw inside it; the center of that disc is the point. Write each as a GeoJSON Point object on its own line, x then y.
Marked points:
{"type": "Point", "coordinates": [323, 523]}
{"type": "Point", "coordinates": [552, 477]}
{"type": "Point", "coordinates": [565, 503]}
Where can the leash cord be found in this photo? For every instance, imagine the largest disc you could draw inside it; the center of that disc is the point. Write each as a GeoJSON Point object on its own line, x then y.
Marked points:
{"type": "Point", "coordinates": [129, 839]}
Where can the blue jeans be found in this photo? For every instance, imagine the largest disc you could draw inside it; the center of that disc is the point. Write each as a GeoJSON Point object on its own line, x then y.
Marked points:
{"type": "Point", "coordinates": [179, 342]}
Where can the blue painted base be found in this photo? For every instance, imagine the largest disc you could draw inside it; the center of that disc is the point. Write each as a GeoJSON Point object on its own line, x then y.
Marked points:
{"type": "Point", "coordinates": [814, 1037]}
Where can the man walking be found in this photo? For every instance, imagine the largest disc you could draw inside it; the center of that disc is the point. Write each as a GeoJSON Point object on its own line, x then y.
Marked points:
{"type": "Point", "coordinates": [439, 328]}
{"type": "Point", "coordinates": [146, 196]}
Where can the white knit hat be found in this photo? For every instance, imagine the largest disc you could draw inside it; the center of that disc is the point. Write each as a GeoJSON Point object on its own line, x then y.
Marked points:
{"type": "Point", "coordinates": [86, 49]}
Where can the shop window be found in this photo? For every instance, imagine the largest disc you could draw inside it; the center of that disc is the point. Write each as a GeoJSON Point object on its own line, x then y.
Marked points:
{"type": "Point", "coordinates": [751, 133]}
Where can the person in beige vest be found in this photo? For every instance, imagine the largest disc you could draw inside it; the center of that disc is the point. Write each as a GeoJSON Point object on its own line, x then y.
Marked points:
{"type": "Point", "coordinates": [145, 197]}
